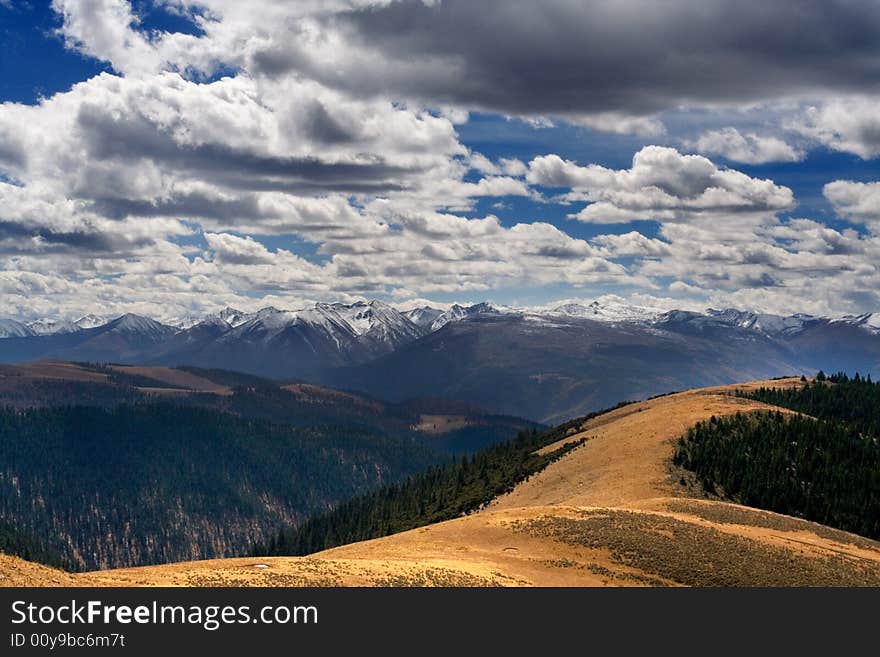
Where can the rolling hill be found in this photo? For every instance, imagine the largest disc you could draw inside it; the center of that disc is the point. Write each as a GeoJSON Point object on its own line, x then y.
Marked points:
{"type": "Point", "coordinates": [614, 511]}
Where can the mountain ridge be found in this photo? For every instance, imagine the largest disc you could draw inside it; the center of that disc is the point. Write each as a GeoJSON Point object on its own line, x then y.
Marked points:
{"type": "Point", "coordinates": [555, 362]}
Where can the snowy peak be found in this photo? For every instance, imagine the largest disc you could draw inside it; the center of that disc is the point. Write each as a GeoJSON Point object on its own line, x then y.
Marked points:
{"type": "Point", "coordinates": [424, 316]}
{"type": "Point", "coordinates": [228, 315]}
{"type": "Point", "coordinates": [375, 319]}
{"type": "Point", "coordinates": [457, 313]}
{"type": "Point", "coordinates": [186, 322]}
{"type": "Point", "coordinates": [233, 317]}
{"type": "Point", "coordinates": [52, 327]}
{"type": "Point", "coordinates": [212, 321]}
{"type": "Point", "coordinates": [90, 321]}
{"type": "Point", "coordinates": [267, 321]}
{"type": "Point", "coordinates": [139, 325]}
{"type": "Point", "coordinates": [767, 324]}
{"type": "Point", "coordinates": [270, 322]}
{"type": "Point", "coordinates": [869, 321]}
{"type": "Point", "coordinates": [9, 328]}
{"type": "Point", "coordinates": [607, 311]}
{"type": "Point", "coordinates": [773, 325]}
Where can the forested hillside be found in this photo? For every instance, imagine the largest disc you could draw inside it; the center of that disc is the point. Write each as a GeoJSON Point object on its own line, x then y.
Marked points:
{"type": "Point", "coordinates": [823, 470]}
{"type": "Point", "coordinates": [854, 400]}
{"type": "Point", "coordinates": [443, 492]}
{"type": "Point", "coordinates": [152, 483]}
{"type": "Point", "coordinates": [17, 543]}
{"type": "Point", "coordinates": [250, 397]}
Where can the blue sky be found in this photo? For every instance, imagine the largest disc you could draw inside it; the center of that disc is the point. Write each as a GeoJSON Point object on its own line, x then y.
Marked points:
{"type": "Point", "coordinates": [171, 157]}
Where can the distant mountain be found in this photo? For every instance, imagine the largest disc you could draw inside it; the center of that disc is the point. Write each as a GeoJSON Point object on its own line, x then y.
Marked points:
{"type": "Point", "coordinates": [9, 328]}
{"type": "Point", "coordinates": [124, 339]}
{"type": "Point", "coordinates": [457, 313]}
{"type": "Point", "coordinates": [380, 328]}
{"type": "Point", "coordinates": [230, 316]}
{"type": "Point", "coordinates": [555, 367]}
{"type": "Point", "coordinates": [291, 344]}
{"type": "Point", "coordinates": [424, 316]}
{"type": "Point", "coordinates": [90, 321]}
{"type": "Point", "coordinates": [606, 312]}
{"type": "Point", "coordinates": [549, 363]}
{"type": "Point", "coordinates": [49, 326]}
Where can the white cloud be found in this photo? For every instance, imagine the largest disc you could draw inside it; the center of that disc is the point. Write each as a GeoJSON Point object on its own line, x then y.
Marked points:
{"type": "Point", "coordinates": [662, 184]}
{"type": "Point", "coordinates": [856, 201]}
{"type": "Point", "coordinates": [748, 148]}
{"type": "Point", "coordinates": [104, 29]}
{"type": "Point", "coordinates": [632, 243]}
{"type": "Point", "coordinates": [621, 124]}
{"type": "Point", "coordinates": [849, 124]}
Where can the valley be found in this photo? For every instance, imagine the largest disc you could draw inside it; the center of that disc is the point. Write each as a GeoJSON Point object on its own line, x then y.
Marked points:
{"type": "Point", "coordinates": [105, 466]}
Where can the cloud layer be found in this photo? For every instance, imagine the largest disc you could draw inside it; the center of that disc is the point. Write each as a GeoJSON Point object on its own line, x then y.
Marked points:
{"type": "Point", "coordinates": [287, 152]}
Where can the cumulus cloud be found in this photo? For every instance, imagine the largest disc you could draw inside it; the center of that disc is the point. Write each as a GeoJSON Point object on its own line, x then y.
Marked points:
{"type": "Point", "coordinates": [856, 201]}
{"type": "Point", "coordinates": [748, 148]}
{"type": "Point", "coordinates": [534, 61]}
{"type": "Point", "coordinates": [662, 184]}
{"type": "Point", "coordinates": [564, 57]}
{"type": "Point", "coordinates": [851, 125]}
{"type": "Point", "coordinates": [633, 243]}
{"type": "Point", "coordinates": [105, 29]}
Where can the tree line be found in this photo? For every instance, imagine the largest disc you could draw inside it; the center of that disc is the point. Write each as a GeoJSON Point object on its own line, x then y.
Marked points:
{"type": "Point", "coordinates": [443, 492]}
{"type": "Point", "coordinates": [822, 470]}
{"type": "Point", "coordinates": [854, 400]}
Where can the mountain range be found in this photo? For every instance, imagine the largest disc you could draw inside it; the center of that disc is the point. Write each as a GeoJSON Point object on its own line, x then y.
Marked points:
{"type": "Point", "coordinates": [545, 364]}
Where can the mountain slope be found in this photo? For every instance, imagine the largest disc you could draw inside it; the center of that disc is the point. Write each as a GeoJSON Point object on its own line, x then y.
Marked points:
{"type": "Point", "coordinates": [124, 339]}
{"type": "Point", "coordinates": [612, 512]}
{"type": "Point", "coordinates": [153, 483]}
{"type": "Point", "coordinates": [554, 369]}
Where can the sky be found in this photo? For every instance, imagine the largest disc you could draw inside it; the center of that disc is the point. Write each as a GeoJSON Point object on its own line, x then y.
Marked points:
{"type": "Point", "coordinates": [172, 157]}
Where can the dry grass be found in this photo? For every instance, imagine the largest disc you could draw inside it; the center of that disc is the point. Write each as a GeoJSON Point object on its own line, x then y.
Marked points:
{"type": "Point", "coordinates": [307, 393]}
{"type": "Point", "coordinates": [440, 424]}
{"type": "Point", "coordinates": [173, 377]}
{"type": "Point", "coordinates": [693, 554]}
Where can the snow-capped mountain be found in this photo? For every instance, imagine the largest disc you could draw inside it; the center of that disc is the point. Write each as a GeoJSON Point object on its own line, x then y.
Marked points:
{"type": "Point", "coordinates": [91, 321]}
{"type": "Point", "coordinates": [138, 325]}
{"type": "Point", "coordinates": [607, 311]}
{"type": "Point", "coordinates": [233, 317]}
{"type": "Point", "coordinates": [869, 322]}
{"type": "Point", "coordinates": [185, 322]}
{"type": "Point", "coordinates": [457, 313]}
{"type": "Point", "coordinates": [9, 328]}
{"type": "Point", "coordinates": [376, 321]}
{"type": "Point", "coordinates": [424, 316]}
{"type": "Point", "coordinates": [228, 315]}
{"type": "Point", "coordinates": [773, 325]}
{"type": "Point", "coordinates": [410, 349]}
{"type": "Point", "coordinates": [50, 326]}
{"type": "Point", "coordinates": [365, 323]}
